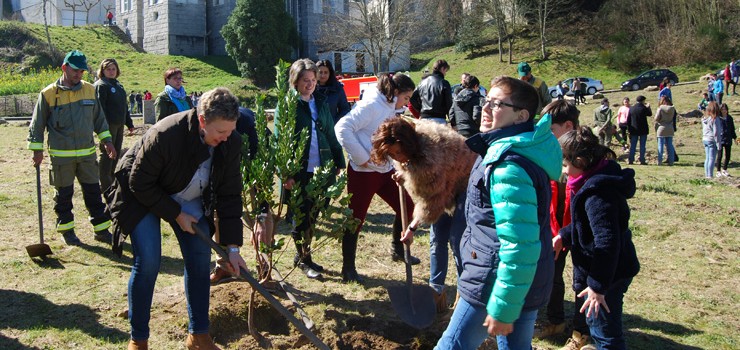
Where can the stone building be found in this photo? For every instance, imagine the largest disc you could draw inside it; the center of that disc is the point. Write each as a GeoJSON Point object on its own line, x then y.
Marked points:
{"type": "Point", "coordinates": [60, 14]}
{"type": "Point", "coordinates": [192, 28]}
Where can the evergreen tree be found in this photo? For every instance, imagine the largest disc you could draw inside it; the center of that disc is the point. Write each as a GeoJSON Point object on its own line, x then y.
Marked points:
{"type": "Point", "coordinates": [258, 34]}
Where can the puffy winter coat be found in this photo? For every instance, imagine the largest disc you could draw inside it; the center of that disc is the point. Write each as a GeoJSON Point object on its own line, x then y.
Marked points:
{"type": "Point", "coordinates": [465, 113]}
{"type": "Point", "coordinates": [336, 98]}
{"type": "Point", "coordinates": [506, 249]}
{"type": "Point", "coordinates": [599, 235]}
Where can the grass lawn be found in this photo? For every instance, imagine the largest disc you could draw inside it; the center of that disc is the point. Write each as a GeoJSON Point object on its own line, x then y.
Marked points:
{"type": "Point", "coordinates": [685, 229]}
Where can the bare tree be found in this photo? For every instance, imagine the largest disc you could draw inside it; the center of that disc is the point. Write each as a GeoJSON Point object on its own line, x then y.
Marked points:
{"type": "Point", "coordinates": [73, 4]}
{"type": "Point", "coordinates": [88, 5]}
{"type": "Point", "coordinates": [544, 9]}
{"type": "Point", "coordinates": [505, 15]}
{"type": "Point", "coordinates": [46, 28]}
{"type": "Point", "coordinates": [379, 28]}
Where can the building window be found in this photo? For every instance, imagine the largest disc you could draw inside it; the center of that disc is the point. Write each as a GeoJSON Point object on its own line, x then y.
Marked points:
{"type": "Point", "coordinates": [155, 15]}
{"type": "Point", "coordinates": [153, 2]}
{"type": "Point", "coordinates": [360, 62]}
{"type": "Point", "coordinates": [126, 5]}
{"type": "Point", "coordinates": [218, 2]}
{"type": "Point", "coordinates": [338, 62]}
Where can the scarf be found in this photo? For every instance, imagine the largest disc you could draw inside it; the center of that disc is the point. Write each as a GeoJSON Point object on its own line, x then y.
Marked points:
{"type": "Point", "coordinates": [575, 183]}
{"type": "Point", "coordinates": [177, 97]}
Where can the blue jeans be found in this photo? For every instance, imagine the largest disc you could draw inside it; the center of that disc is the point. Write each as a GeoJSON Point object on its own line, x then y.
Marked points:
{"type": "Point", "coordinates": [710, 149]}
{"type": "Point", "coordinates": [606, 328]}
{"type": "Point", "coordinates": [667, 143]}
{"type": "Point", "coordinates": [146, 241]}
{"type": "Point", "coordinates": [633, 144]}
{"type": "Point", "coordinates": [466, 331]}
{"type": "Point", "coordinates": [442, 121]}
{"type": "Point", "coordinates": [446, 229]}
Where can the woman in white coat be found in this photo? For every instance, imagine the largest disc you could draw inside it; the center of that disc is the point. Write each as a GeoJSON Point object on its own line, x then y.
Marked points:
{"type": "Point", "coordinates": [365, 179]}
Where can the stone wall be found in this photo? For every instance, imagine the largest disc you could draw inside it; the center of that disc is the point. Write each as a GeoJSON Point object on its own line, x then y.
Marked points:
{"type": "Point", "coordinates": [218, 15]}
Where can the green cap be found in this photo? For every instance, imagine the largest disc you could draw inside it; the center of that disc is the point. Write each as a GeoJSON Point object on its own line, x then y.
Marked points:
{"type": "Point", "coordinates": [523, 68]}
{"type": "Point", "coordinates": [76, 59]}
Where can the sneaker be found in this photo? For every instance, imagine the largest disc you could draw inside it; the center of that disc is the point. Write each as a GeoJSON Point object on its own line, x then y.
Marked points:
{"type": "Point", "coordinates": [549, 329]}
{"type": "Point", "coordinates": [103, 236]}
{"type": "Point", "coordinates": [399, 257]}
{"type": "Point", "coordinates": [70, 238]}
{"type": "Point", "coordinates": [350, 276]}
{"type": "Point", "coordinates": [725, 173]}
{"type": "Point", "coordinates": [719, 174]}
{"type": "Point", "coordinates": [578, 341]}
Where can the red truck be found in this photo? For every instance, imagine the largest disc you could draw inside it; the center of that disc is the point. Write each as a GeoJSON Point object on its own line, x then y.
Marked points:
{"type": "Point", "coordinates": [353, 87]}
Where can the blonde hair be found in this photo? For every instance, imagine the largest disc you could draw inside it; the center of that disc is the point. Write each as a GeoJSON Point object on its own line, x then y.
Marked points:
{"type": "Point", "coordinates": [218, 103]}
{"type": "Point", "coordinates": [299, 67]}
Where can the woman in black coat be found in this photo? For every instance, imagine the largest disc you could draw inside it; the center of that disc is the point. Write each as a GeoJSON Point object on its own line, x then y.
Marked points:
{"type": "Point", "coordinates": [332, 89]}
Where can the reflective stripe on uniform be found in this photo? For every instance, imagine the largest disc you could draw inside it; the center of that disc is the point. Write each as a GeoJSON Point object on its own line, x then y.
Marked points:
{"type": "Point", "coordinates": [65, 227]}
{"type": "Point", "coordinates": [36, 146]}
{"type": "Point", "coordinates": [103, 135]}
{"type": "Point", "coordinates": [71, 153]}
{"type": "Point", "coordinates": [102, 226]}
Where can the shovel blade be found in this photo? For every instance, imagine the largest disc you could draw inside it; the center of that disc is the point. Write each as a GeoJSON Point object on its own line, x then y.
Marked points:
{"type": "Point", "coordinates": [413, 304]}
{"type": "Point", "coordinates": [39, 249]}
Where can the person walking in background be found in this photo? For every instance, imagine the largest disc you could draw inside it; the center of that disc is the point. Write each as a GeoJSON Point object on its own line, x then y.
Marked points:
{"type": "Point", "coordinates": [710, 87]}
{"type": "Point", "coordinates": [603, 125]}
{"type": "Point", "coordinates": [109, 16]}
{"type": "Point", "coordinates": [727, 137]}
{"type": "Point", "coordinates": [147, 95]}
{"type": "Point", "coordinates": [603, 255]}
{"type": "Point", "coordinates": [735, 72]}
{"type": "Point", "coordinates": [525, 73]}
{"type": "Point", "coordinates": [466, 108]}
{"type": "Point", "coordinates": [560, 91]}
{"type": "Point", "coordinates": [711, 129]}
{"type": "Point", "coordinates": [638, 128]}
{"type": "Point", "coordinates": [174, 98]}
{"type": "Point", "coordinates": [333, 90]}
{"type": "Point", "coordinates": [727, 78]}
{"type": "Point", "coordinates": [365, 178]}
{"type": "Point", "coordinates": [433, 97]}
{"type": "Point", "coordinates": [665, 91]}
{"type": "Point", "coordinates": [506, 247]}
{"type": "Point", "coordinates": [313, 115]}
{"type": "Point", "coordinates": [576, 88]}
{"type": "Point", "coordinates": [183, 170]}
{"type": "Point", "coordinates": [132, 102]}
{"type": "Point", "coordinates": [112, 98]}
{"type": "Point", "coordinates": [719, 89]}
{"type": "Point", "coordinates": [665, 127]}
{"type": "Point", "coordinates": [139, 102]}
{"type": "Point", "coordinates": [623, 121]}
{"type": "Point", "coordinates": [663, 84]}
{"type": "Point", "coordinates": [70, 113]}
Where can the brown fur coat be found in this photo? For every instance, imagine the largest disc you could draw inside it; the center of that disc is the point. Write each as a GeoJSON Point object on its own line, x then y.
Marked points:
{"type": "Point", "coordinates": [440, 175]}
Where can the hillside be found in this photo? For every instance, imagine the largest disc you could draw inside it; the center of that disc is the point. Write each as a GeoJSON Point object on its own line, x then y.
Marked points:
{"type": "Point", "coordinates": [139, 71]}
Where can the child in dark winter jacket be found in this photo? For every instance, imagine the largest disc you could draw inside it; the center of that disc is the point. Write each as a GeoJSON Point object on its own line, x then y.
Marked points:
{"type": "Point", "coordinates": [604, 257]}
{"type": "Point", "coordinates": [727, 137]}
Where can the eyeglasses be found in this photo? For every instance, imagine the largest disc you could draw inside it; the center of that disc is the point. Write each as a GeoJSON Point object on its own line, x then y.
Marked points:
{"type": "Point", "coordinates": [496, 104]}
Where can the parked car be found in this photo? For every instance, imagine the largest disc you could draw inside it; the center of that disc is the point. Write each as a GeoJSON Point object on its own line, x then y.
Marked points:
{"type": "Point", "coordinates": [592, 86]}
{"type": "Point", "coordinates": [649, 78]}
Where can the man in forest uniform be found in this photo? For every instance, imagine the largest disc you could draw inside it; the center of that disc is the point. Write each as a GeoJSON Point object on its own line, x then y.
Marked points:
{"type": "Point", "coordinates": [70, 112]}
{"type": "Point", "coordinates": [525, 73]}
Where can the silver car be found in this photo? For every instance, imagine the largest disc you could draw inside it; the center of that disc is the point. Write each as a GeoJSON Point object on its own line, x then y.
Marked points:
{"type": "Point", "coordinates": [592, 86]}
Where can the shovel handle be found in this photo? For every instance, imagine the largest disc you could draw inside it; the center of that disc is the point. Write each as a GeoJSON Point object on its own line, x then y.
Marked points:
{"type": "Point", "coordinates": [38, 202]}
{"type": "Point", "coordinates": [404, 226]}
{"type": "Point", "coordinates": [264, 292]}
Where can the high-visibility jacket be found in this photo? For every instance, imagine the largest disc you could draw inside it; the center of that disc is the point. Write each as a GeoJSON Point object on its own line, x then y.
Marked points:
{"type": "Point", "coordinates": [71, 115]}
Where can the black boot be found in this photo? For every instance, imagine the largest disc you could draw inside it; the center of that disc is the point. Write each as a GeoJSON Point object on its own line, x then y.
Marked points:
{"type": "Point", "coordinates": [309, 261]}
{"type": "Point", "coordinates": [309, 271]}
{"type": "Point", "coordinates": [349, 253]}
